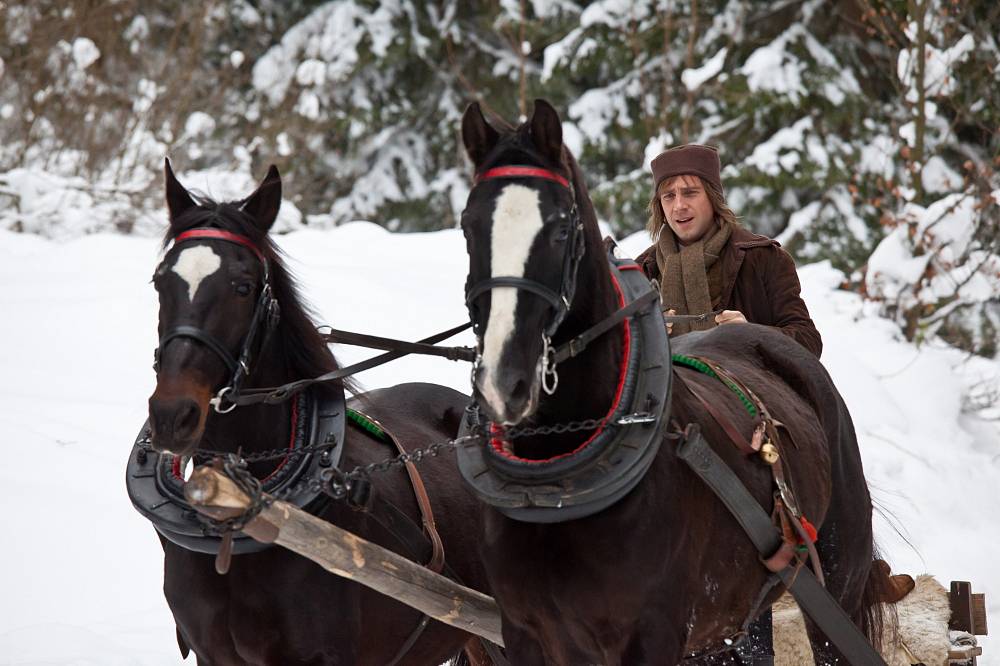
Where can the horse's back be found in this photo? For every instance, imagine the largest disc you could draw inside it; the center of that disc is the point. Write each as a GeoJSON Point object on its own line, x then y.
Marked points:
{"type": "Point", "coordinates": [417, 407]}
{"type": "Point", "coordinates": [759, 355]}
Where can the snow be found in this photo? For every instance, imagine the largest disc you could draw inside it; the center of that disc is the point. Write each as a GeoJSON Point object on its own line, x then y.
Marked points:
{"type": "Point", "coordinates": [694, 78]}
{"type": "Point", "coordinates": [938, 65]}
{"type": "Point", "coordinates": [76, 345]}
{"type": "Point", "coordinates": [85, 52]}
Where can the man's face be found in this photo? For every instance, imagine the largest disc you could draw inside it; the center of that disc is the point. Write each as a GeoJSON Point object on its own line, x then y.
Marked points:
{"type": "Point", "coordinates": [686, 208]}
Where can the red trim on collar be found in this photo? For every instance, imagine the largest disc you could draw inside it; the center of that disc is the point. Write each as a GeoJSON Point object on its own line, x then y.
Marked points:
{"type": "Point", "coordinates": [219, 234]}
{"type": "Point", "coordinates": [522, 172]}
{"type": "Point", "coordinates": [497, 441]}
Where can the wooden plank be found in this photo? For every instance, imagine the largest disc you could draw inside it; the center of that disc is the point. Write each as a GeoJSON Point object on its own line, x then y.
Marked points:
{"type": "Point", "coordinates": [338, 551]}
{"type": "Point", "coordinates": [979, 627]}
{"type": "Point", "coordinates": [960, 598]}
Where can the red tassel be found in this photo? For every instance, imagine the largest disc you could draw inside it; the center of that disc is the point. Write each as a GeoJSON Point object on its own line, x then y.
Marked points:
{"type": "Point", "coordinates": [809, 528]}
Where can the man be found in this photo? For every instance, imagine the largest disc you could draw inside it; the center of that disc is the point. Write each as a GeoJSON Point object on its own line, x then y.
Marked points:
{"type": "Point", "coordinates": [705, 261]}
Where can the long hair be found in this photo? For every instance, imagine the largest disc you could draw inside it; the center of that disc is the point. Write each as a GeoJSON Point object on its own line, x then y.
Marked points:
{"type": "Point", "coordinates": [723, 213]}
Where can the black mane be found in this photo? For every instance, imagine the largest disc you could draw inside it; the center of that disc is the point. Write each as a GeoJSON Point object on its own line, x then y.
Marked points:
{"type": "Point", "coordinates": [296, 341]}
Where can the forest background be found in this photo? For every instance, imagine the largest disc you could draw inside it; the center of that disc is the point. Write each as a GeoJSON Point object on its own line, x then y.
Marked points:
{"type": "Point", "coordinates": [863, 132]}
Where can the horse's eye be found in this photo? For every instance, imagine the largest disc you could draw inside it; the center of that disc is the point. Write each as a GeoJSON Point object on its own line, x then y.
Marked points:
{"type": "Point", "coordinates": [244, 288]}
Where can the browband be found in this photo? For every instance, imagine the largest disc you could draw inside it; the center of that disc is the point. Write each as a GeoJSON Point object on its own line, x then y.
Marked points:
{"type": "Point", "coordinates": [522, 172]}
{"type": "Point", "coordinates": [219, 234]}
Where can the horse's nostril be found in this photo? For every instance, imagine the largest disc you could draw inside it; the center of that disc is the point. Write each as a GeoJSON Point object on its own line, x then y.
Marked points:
{"type": "Point", "coordinates": [520, 393]}
{"type": "Point", "coordinates": [174, 420]}
{"type": "Point", "coordinates": [187, 417]}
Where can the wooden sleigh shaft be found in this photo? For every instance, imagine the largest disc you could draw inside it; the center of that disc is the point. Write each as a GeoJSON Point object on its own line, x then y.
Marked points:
{"type": "Point", "coordinates": [215, 495]}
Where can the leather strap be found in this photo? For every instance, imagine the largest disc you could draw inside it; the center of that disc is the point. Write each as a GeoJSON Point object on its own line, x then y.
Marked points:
{"type": "Point", "coordinates": [580, 342]}
{"type": "Point", "coordinates": [336, 335]}
{"type": "Point", "coordinates": [437, 561]}
{"type": "Point", "coordinates": [730, 429]}
{"type": "Point", "coordinates": [812, 597]}
{"type": "Point", "coordinates": [277, 394]}
{"type": "Point", "coordinates": [521, 172]}
{"type": "Point", "coordinates": [196, 333]}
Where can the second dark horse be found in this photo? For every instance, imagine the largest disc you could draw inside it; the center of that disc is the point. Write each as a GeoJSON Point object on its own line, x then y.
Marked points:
{"type": "Point", "coordinates": [666, 571]}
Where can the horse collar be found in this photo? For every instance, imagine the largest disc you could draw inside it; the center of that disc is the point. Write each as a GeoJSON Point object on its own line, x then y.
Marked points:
{"type": "Point", "coordinates": [157, 491]}
{"type": "Point", "coordinates": [608, 465]}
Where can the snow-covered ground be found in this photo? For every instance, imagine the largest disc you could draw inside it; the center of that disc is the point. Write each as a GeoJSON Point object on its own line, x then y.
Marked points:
{"type": "Point", "coordinates": [82, 570]}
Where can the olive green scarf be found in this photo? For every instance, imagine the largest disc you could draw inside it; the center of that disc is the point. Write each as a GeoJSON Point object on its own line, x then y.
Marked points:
{"type": "Point", "coordinates": [691, 276]}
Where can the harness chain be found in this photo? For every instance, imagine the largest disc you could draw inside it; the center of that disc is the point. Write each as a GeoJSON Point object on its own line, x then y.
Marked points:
{"type": "Point", "coordinates": [336, 483]}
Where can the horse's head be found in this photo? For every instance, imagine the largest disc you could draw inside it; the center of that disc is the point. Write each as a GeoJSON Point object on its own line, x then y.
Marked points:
{"type": "Point", "coordinates": [216, 305]}
{"type": "Point", "coordinates": [525, 240]}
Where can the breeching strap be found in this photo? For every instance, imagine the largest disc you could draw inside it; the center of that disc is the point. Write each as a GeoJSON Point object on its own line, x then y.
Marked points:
{"type": "Point", "coordinates": [812, 597]}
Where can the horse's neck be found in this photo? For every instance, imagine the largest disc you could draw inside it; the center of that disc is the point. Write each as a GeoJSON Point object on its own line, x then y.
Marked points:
{"type": "Point", "coordinates": [587, 382]}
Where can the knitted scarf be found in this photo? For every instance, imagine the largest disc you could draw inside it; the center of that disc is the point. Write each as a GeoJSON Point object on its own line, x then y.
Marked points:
{"type": "Point", "coordinates": [691, 276]}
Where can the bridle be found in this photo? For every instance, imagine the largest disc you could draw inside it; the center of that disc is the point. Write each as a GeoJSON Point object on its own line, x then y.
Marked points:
{"type": "Point", "coordinates": [265, 316]}
{"type": "Point", "coordinates": [559, 302]}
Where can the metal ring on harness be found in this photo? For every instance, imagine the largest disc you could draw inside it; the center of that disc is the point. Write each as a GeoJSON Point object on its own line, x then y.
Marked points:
{"type": "Point", "coordinates": [548, 367]}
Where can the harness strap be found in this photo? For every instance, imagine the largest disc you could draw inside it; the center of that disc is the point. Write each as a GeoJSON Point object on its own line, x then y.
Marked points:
{"type": "Point", "coordinates": [512, 282]}
{"type": "Point", "coordinates": [336, 335]}
{"type": "Point", "coordinates": [197, 334]}
{"type": "Point", "coordinates": [275, 394]}
{"type": "Point", "coordinates": [812, 597]}
{"type": "Point", "coordinates": [580, 342]}
{"type": "Point", "coordinates": [727, 425]}
{"type": "Point", "coordinates": [437, 561]}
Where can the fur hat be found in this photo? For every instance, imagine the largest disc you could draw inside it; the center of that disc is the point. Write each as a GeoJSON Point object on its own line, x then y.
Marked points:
{"type": "Point", "coordinates": [691, 158]}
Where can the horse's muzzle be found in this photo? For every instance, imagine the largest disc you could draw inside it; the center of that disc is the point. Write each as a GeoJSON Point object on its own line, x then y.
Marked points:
{"type": "Point", "coordinates": [177, 418]}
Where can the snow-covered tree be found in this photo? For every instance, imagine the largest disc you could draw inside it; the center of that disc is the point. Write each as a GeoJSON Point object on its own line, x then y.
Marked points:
{"type": "Point", "coordinates": [937, 271]}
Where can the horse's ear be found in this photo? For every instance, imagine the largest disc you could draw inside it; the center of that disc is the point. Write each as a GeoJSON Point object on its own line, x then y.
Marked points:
{"type": "Point", "coordinates": [477, 134]}
{"type": "Point", "coordinates": [546, 131]}
{"type": "Point", "coordinates": [178, 199]}
{"type": "Point", "coordinates": [264, 203]}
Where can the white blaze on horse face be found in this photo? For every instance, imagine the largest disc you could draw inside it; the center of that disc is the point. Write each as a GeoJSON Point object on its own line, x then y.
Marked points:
{"type": "Point", "coordinates": [194, 264]}
{"type": "Point", "coordinates": [516, 222]}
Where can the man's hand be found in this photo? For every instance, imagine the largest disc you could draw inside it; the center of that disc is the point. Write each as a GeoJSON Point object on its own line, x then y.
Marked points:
{"type": "Point", "coordinates": [670, 327]}
{"type": "Point", "coordinates": [730, 317]}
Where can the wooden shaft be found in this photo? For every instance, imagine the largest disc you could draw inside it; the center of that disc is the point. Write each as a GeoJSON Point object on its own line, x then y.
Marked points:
{"type": "Point", "coordinates": [350, 556]}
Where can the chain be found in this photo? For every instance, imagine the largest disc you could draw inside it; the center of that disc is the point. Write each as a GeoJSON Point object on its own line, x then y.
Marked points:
{"type": "Point", "coordinates": [235, 468]}
{"type": "Point", "coordinates": [417, 455]}
{"type": "Point", "coordinates": [206, 455]}
{"type": "Point", "coordinates": [336, 482]}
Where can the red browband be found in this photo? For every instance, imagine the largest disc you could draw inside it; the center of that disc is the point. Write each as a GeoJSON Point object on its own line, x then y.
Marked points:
{"type": "Point", "coordinates": [522, 172]}
{"type": "Point", "coordinates": [218, 234]}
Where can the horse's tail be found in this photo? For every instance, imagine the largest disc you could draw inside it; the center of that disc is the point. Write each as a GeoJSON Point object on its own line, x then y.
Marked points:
{"type": "Point", "coordinates": [878, 609]}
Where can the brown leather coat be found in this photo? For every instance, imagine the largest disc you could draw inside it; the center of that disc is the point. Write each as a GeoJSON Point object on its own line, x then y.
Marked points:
{"type": "Point", "coordinates": [759, 280]}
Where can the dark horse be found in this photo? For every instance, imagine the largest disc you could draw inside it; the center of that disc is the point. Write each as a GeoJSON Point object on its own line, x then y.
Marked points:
{"type": "Point", "coordinates": [665, 572]}
{"type": "Point", "coordinates": [273, 606]}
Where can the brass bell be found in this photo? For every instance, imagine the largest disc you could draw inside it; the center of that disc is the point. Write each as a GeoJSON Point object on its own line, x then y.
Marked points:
{"type": "Point", "coordinates": [769, 452]}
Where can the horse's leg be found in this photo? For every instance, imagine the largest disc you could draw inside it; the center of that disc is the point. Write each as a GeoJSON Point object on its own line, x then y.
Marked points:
{"type": "Point", "coordinates": [521, 647]}
{"type": "Point", "coordinates": [758, 649]}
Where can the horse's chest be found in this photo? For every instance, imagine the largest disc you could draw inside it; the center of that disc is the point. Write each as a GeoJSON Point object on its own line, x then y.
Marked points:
{"type": "Point", "coordinates": [265, 610]}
